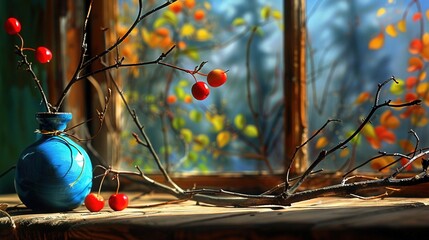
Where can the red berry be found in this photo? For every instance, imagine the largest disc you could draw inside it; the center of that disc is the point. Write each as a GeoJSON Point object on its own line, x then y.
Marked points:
{"type": "Point", "coordinates": [12, 26]}
{"type": "Point", "coordinates": [43, 54]}
{"type": "Point", "coordinates": [94, 202]}
{"type": "Point", "coordinates": [216, 77]}
{"type": "Point", "coordinates": [200, 90]}
{"type": "Point", "coordinates": [118, 202]}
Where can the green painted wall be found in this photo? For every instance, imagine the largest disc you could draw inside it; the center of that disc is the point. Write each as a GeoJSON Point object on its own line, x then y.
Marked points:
{"type": "Point", "coordinates": [19, 100]}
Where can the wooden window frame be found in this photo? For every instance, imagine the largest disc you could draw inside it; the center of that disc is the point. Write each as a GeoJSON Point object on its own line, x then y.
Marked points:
{"type": "Point", "coordinates": [295, 116]}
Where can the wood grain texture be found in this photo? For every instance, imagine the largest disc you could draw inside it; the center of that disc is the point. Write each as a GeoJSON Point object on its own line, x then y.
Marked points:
{"type": "Point", "coordinates": [321, 218]}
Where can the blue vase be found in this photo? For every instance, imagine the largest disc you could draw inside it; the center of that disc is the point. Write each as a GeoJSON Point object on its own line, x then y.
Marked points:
{"type": "Point", "coordinates": [54, 173]}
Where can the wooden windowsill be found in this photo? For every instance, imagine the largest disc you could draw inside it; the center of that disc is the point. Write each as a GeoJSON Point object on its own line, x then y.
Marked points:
{"type": "Point", "coordinates": [321, 218]}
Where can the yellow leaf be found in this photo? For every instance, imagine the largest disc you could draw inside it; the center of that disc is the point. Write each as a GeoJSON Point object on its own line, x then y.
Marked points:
{"type": "Point", "coordinates": [238, 22]}
{"type": "Point", "coordinates": [265, 12]}
{"type": "Point", "coordinates": [376, 42]}
{"type": "Point", "coordinates": [251, 131]}
{"type": "Point", "coordinates": [145, 35]}
{"type": "Point", "coordinates": [277, 15]}
{"type": "Point", "coordinates": [381, 12]}
{"type": "Point", "coordinates": [187, 30]}
{"type": "Point", "coordinates": [207, 5]}
{"type": "Point", "coordinates": [321, 142]}
{"type": "Point", "coordinates": [402, 25]}
{"type": "Point", "coordinates": [216, 120]}
{"type": "Point", "coordinates": [425, 38]}
{"type": "Point", "coordinates": [203, 35]}
{"type": "Point", "coordinates": [369, 131]}
{"type": "Point", "coordinates": [391, 31]}
{"type": "Point", "coordinates": [427, 14]}
{"type": "Point", "coordinates": [223, 138]}
{"type": "Point", "coordinates": [201, 141]}
{"type": "Point", "coordinates": [398, 87]}
{"type": "Point", "coordinates": [239, 121]}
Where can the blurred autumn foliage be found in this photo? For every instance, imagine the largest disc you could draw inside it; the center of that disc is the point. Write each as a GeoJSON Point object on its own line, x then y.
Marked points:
{"type": "Point", "coordinates": [221, 133]}
{"type": "Point", "coordinates": [397, 42]}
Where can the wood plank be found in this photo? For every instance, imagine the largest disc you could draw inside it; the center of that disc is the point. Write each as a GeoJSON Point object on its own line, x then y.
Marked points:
{"type": "Point", "coordinates": [321, 218]}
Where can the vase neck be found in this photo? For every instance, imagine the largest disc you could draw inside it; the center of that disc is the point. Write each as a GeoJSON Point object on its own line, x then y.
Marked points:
{"type": "Point", "coordinates": [53, 121]}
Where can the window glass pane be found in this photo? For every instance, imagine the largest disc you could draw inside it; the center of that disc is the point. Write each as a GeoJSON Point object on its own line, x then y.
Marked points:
{"type": "Point", "coordinates": [352, 47]}
{"type": "Point", "coordinates": [239, 127]}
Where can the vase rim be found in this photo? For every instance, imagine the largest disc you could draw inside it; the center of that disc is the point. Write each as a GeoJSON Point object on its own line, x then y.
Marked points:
{"type": "Point", "coordinates": [52, 114]}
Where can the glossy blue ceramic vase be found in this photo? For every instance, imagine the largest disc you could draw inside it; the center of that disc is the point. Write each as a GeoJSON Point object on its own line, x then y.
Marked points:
{"type": "Point", "coordinates": [54, 173]}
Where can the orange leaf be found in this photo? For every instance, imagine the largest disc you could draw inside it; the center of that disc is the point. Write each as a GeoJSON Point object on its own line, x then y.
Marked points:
{"type": "Point", "coordinates": [406, 145]}
{"type": "Point", "coordinates": [374, 142]}
{"type": "Point", "coordinates": [417, 16]}
{"type": "Point", "coordinates": [411, 82]}
{"type": "Point", "coordinates": [422, 88]}
{"type": "Point", "coordinates": [385, 135]}
{"type": "Point", "coordinates": [381, 162]}
{"type": "Point", "coordinates": [363, 97]}
{"type": "Point", "coordinates": [411, 96]}
{"type": "Point", "coordinates": [414, 64]}
{"type": "Point", "coordinates": [419, 120]}
{"type": "Point", "coordinates": [405, 161]}
{"type": "Point", "coordinates": [416, 46]}
{"type": "Point", "coordinates": [376, 42]}
{"type": "Point", "coordinates": [391, 31]}
{"type": "Point", "coordinates": [422, 76]}
{"type": "Point", "coordinates": [388, 120]}
{"type": "Point", "coordinates": [321, 142]}
{"type": "Point", "coordinates": [425, 52]}
{"type": "Point", "coordinates": [344, 152]}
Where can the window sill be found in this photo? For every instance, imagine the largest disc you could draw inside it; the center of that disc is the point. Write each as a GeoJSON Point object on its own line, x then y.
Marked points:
{"type": "Point", "coordinates": [321, 218]}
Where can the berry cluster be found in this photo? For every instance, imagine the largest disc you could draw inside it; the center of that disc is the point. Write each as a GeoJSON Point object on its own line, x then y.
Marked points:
{"type": "Point", "coordinates": [95, 202]}
{"type": "Point", "coordinates": [13, 27]}
{"type": "Point", "coordinates": [215, 78]}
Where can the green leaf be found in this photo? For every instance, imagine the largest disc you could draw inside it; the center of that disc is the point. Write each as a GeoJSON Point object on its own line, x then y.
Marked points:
{"type": "Point", "coordinates": [356, 140]}
{"type": "Point", "coordinates": [154, 109]}
{"type": "Point", "coordinates": [180, 92]}
{"type": "Point", "coordinates": [193, 156]}
{"type": "Point", "coordinates": [238, 22]}
{"type": "Point", "coordinates": [186, 134]}
{"type": "Point", "coordinates": [160, 22]}
{"type": "Point", "coordinates": [239, 121]}
{"type": "Point", "coordinates": [178, 123]}
{"type": "Point", "coordinates": [195, 115]}
{"type": "Point", "coordinates": [201, 141]}
{"type": "Point", "coordinates": [170, 17]}
{"type": "Point", "coordinates": [165, 150]}
{"type": "Point", "coordinates": [203, 168]}
{"type": "Point", "coordinates": [192, 54]}
{"type": "Point", "coordinates": [183, 83]}
{"type": "Point", "coordinates": [251, 131]}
